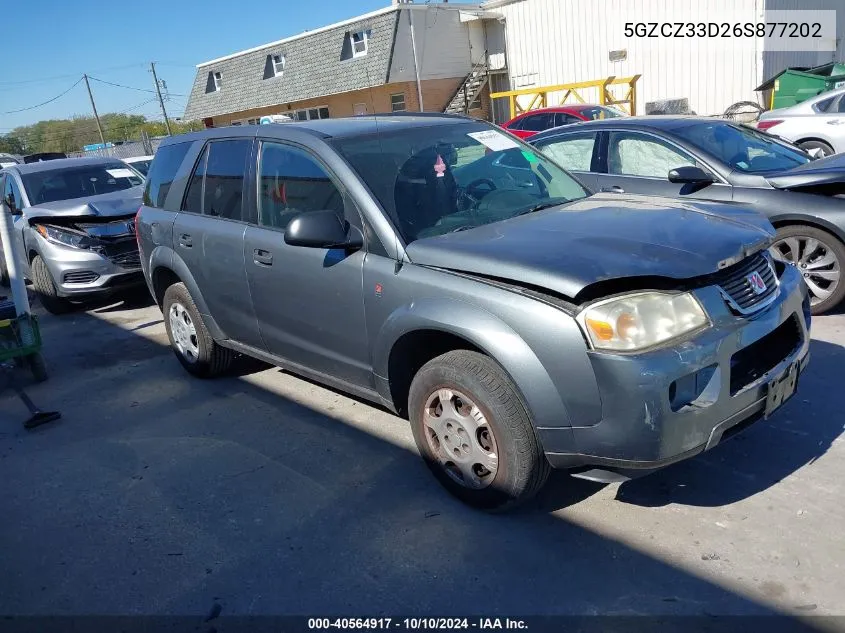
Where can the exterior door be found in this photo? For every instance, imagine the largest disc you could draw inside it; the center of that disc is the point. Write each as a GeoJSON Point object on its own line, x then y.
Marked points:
{"type": "Point", "coordinates": [638, 162]}
{"type": "Point", "coordinates": [208, 235]}
{"type": "Point", "coordinates": [309, 301]}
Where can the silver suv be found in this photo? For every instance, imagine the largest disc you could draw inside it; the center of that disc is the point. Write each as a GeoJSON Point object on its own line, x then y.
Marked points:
{"type": "Point", "coordinates": [74, 223]}
{"type": "Point", "coordinates": [440, 267]}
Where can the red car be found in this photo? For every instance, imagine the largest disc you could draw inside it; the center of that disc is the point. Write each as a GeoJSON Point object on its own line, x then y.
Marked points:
{"type": "Point", "coordinates": [529, 123]}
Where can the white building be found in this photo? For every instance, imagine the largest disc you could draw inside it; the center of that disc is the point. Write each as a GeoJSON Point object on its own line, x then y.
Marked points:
{"type": "Point", "coordinates": [550, 42]}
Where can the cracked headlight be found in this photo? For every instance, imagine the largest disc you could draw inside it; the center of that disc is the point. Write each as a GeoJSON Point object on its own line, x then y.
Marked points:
{"type": "Point", "coordinates": [63, 237]}
{"type": "Point", "coordinates": [642, 320]}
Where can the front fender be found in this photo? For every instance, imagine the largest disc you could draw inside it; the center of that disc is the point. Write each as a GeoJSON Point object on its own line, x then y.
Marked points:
{"type": "Point", "coordinates": [488, 333]}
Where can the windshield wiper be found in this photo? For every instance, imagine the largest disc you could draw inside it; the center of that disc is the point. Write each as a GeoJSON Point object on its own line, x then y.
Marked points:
{"type": "Point", "coordinates": [543, 205]}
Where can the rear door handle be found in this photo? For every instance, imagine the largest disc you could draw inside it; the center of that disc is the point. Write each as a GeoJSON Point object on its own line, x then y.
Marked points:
{"type": "Point", "coordinates": [613, 189]}
{"type": "Point", "coordinates": [262, 257]}
{"type": "Point", "coordinates": [186, 240]}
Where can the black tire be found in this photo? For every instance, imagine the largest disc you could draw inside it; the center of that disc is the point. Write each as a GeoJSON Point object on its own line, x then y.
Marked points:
{"type": "Point", "coordinates": [37, 366]}
{"type": "Point", "coordinates": [522, 466]}
{"type": "Point", "coordinates": [44, 287]}
{"type": "Point", "coordinates": [826, 149]}
{"type": "Point", "coordinates": [835, 246]}
{"type": "Point", "coordinates": [212, 359]}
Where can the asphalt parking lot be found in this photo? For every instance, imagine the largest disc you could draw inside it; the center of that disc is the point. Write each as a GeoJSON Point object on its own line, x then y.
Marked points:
{"type": "Point", "coordinates": [266, 494]}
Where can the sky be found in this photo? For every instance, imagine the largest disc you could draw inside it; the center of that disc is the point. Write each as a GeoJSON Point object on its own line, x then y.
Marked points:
{"type": "Point", "coordinates": [115, 42]}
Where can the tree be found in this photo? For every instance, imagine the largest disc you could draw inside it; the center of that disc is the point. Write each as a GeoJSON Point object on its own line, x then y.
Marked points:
{"type": "Point", "coordinates": [10, 145]}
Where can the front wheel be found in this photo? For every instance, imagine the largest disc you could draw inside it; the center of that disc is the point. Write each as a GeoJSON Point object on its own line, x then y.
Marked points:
{"type": "Point", "coordinates": [46, 289]}
{"type": "Point", "coordinates": [474, 433]}
{"type": "Point", "coordinates": [819, 257]}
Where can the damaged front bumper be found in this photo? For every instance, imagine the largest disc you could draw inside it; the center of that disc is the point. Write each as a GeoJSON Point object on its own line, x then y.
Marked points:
{"type": "Point", "coordinates": [665, 405]}
{"type": "Point", "coordinates": [105, 259]}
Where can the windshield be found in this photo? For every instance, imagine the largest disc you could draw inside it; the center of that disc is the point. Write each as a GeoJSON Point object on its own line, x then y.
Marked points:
{"type": "Point", "coordinates": [742, 148]}
{"type": "Point", "coordinates": [595, 113]}
{"type": "Point", "coordinates": [441, 179]}
{"type": "Point", "coordinates": [78, 182]}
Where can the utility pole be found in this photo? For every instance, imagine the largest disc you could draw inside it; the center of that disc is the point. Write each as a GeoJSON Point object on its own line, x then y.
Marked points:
{"type": "Point", "coordinates": [94, 108]}
{"type": "Point", "coordinates": [160, 100]}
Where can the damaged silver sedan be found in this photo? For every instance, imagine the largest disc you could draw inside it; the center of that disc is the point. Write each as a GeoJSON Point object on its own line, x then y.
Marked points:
{"type": "Point", "coordinates": [74, 222]}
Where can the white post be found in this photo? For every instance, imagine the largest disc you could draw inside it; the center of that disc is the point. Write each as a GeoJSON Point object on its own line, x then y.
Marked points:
{"type": "Point", "coordinates": [414, 51]}
{"type": "Point", "coordinates": [7, 239]}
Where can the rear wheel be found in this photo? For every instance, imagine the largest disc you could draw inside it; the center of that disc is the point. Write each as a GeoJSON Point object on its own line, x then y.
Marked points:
{"type": "Point", "coordinates": [819, 257]}
{"type": "Point", "coordinates": [46, 290]}
{"type": "Point", "coordinates": [474, 433]}
{"type": "Point", "coordinates": [825, 149]}
{"type": "Point", "coordinates": [195, 348]}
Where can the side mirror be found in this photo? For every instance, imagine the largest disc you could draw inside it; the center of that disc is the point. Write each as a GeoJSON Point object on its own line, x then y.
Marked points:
{"type": "Point", "coordinates": [322, 229]}
{"type": "Point", "coordinates": [690, 174]}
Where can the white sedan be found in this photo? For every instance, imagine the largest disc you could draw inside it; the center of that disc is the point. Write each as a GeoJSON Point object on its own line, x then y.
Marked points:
{"type": "Point", "coordinates": [141, 163]}
{"type": "Point", "coordinates": [815, 124]}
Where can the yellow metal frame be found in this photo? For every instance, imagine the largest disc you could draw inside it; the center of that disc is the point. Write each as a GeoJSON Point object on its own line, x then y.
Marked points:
{"type": "Point", "coordinates": [540, 96]}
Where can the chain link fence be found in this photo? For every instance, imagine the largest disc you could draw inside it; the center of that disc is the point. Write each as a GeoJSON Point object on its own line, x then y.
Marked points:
{"type": "Point", "coordinates": [127, 149]}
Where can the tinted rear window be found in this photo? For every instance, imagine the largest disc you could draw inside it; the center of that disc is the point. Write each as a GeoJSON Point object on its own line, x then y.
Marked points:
{"type": "Point", "coordinates": [163, 172]}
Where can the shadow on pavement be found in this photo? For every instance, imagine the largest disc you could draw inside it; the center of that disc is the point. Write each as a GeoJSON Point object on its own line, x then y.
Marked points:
{"type": "Point", "coordinates": [769, 451]}
{"type": "Point", "coordinates": [163, 494]}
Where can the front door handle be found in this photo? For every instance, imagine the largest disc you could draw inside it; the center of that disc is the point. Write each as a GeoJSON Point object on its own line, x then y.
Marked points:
{"type": "Point", "coordinates": [185, 240]}
{"type": "Point", "coordinates": [262, 257]}
{"type": "Point", "coordinates": [613, 189]}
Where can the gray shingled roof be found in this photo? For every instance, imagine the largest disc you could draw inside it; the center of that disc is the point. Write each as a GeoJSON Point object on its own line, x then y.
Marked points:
{"type": "Point", "coordinates": [313, 68]}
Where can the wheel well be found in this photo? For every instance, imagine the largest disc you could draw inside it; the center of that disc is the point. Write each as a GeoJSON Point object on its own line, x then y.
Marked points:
{"type": "Point", "coordinates": [163, 278]}
{"type": "Point", "coordinates": [808, 222]}
{"type": "Point", "coordinates": [413, 350]}
{"type": "Point", "coordinates": [32, 254]}
{"type": "Point", "coordinates": [812, 138]}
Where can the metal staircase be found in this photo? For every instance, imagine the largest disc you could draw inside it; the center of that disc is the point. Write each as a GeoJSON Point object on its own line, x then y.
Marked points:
{"type": "Point", "coordinates": [469, 89]}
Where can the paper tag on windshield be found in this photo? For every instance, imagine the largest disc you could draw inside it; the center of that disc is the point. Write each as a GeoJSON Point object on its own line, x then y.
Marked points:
{"type": "Point", "coordinates": [120, 173]}
{"type": "Point", "coordinates": [494, 140]}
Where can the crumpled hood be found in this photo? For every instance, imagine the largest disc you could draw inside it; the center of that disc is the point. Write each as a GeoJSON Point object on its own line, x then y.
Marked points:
{"type": "Point", "coordinates": [115, 204]}
{"type": "Point", "coordinates": [567, 248]}
{"type": "Point", "coordinates": [823, 171]}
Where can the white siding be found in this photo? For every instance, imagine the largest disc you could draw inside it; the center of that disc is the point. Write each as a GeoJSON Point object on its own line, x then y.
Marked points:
{"type": "Point", "coordinates": [443, 45]}
{"type": "Point", "coordinates": [554, 42]}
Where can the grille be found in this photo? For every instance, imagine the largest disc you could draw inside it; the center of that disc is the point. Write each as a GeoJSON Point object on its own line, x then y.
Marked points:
{"type": "Point", "coordinates": [127, 260]}
{"type": "Point", "coordinates": [751, 362]}
{"type": "Point", "coordinates": [81, 277]}
{"type": "Point", "coordinates": [736, 283]}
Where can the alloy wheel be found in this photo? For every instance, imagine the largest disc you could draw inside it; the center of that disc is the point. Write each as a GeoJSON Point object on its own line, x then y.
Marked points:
{"type": "Point", "coordinates": [816, 262]}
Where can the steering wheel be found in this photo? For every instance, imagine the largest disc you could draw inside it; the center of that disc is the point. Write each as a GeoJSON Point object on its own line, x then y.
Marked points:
{"type": "Point", "coordinates": [470, 189]}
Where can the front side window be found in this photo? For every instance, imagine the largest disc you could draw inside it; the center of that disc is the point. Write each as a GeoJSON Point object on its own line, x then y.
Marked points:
{"type": "Point", "coordinates": [12, 195]}
{"type": "Point", "coordinates": [438, 179]}
{"type": "Point", "coordinates": [68, 183]}
{"type": "Point", "coordinates": [573, 152]}
{"type": "Point", "coordinates": [562, 118]}
{"type": "Point", "coordinates": [633, 154]}
{"type": "Point", "coordinates": [291, 182]}
{"type": "Point", "coordinates": [162, 173]}
{"type": "Point", "coordinates": [742, 148]}
{"type": "Point", "coordinates": [217, 185]}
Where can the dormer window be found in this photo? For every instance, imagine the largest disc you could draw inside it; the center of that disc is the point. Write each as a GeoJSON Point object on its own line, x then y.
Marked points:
{"type": "Point", "coordinates": [278, 65]}
{"type": "Point", "coordinates": [360, 41]}
{"type": "Point", "coordinates": [218, 81]}
{"type": "Point", "coordinates": [214, 82]}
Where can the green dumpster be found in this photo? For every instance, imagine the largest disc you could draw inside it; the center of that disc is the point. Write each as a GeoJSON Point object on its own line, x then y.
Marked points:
{"type": "Point", "coordinates": [794, 85]}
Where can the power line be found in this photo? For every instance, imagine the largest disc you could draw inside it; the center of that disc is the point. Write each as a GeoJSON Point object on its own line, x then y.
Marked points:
{"type": "Point", "coordinates": [78, 81]}
{"type": "Point", "coordinates": [130, 87]}
{"type": "Point", "coordinates": [57, 77]}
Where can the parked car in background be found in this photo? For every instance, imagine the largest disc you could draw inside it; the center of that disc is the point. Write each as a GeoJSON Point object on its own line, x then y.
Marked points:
{"type": "Point", "coordinates": [42, 156]}
{"type": "Point", "coordinates": [438, 266]}
{"type": "Point", "coordinates": [9, 159]}
{"type": "Point", "coordinates": [141, 163]}
{"type": "Point", "coordinates": [815, 124]}
{"type": "Point", "coordinates": [695, 158]}
{"type": "Point", "coordinates": [74, 224]}
{"type": "Point", "coordinates": [529, 123]}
